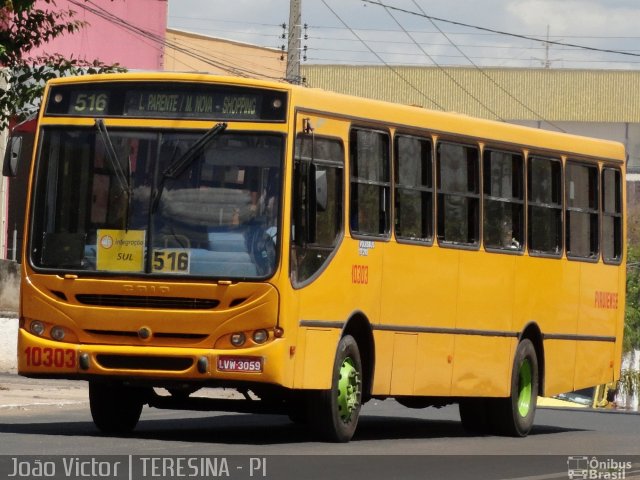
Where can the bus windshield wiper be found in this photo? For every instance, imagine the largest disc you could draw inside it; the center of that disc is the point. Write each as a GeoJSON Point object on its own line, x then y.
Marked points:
{"type": "Point", "coordinates": [175, 169]}
{"type": "Point", "coordinates": [124, 178]}
{"type": "Point", "coordinates": [179, 165]}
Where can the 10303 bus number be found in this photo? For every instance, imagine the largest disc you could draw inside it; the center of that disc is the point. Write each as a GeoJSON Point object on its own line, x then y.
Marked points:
{"type": "Point", "coordinates": [50, 357]}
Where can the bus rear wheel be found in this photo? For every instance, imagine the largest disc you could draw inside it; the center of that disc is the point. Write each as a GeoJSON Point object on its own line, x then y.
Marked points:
{"type": "Point", "coordinates": [475, 414]}
{"type": "Point", "coordinates": [514, 415]}
{"type": "Point", "coordinates": [336, 411]}
{"type": "Point", "coordinates": [115, 408]}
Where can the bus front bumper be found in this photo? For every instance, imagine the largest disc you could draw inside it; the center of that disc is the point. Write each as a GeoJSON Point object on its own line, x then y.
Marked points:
{"type": "Point", "coordinates": [41, 357]}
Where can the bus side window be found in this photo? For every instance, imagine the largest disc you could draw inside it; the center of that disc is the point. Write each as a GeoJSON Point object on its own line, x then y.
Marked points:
{"type": "Point", "coordinates": [414, 189]}
{"type": "Point", "coordinates": [458, 194]}
{"type": "Point", "coordinates": [317, 222]}
{"type": "Point", "coordinates": [581, 214]}
{"type": "Point", "coordinates": [611, 215]}
{"type": "Point", "coordinates": [370, 208]}
{"type": "Point", "coordinates": [544, 185]}
{"type": "Point", "coordinates": [503, 199]}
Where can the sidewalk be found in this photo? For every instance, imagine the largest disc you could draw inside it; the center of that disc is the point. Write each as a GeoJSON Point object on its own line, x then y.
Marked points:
{"type": "Point", "coordinates": [19, 394]}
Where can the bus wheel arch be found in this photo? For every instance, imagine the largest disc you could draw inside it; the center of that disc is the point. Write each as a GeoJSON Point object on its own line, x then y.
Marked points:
{"type": "Point", "coordinates": [359, 328]}
{"type": "Point", "coordinates": [534, 334]}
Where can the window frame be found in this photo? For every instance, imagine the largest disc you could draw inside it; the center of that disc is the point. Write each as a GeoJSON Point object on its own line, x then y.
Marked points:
{"type": "Point", "coordinates": [522, 201]}
{"type": "Point", "coordinates": [429, 189]}
{"type": "Point", "coordinates": [530, 204]}
{"type": "Point", "coordinates": [293, 273]}
{"type": "Point", "coordinates": [440, 193]}
{"type": "Point", "coordinates": [385, 186]}
{"type": "Point", "coordinates": [568, 210]}
{"type": "Point", "coordinates": [619, 214]}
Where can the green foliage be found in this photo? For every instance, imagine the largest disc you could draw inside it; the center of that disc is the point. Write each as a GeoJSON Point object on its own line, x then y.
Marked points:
{"type": "Point", "coordinates": [632, 311]}
{"type": "Point", "coordinates": [23, 28]}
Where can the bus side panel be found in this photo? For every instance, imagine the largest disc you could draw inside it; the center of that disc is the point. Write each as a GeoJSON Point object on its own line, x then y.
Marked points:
{"type": "Point", "coordinates": [319, 346]}
{"type": "Point", "coordinates": [482, 365]}
{"type": "Point", "coordinates": [420, 290]}
{"type": "Point", "coordinates": [599, 306]}
{"type": "Point", "coordinates": [434, 364]}
{"type": "Point", "coordinates": [324, 301]}
{"type": "Point", "coordinates": [405, 346]}
{"type": "Point", "coordinates": [547, 294]}
{"type": "Point", "coordinates": [558, 369]}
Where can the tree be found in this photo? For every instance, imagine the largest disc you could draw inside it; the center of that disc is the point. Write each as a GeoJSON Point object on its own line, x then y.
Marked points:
{"type": "Point", "coordinates": [632, 311]}
{"type": "Point", "coordinates": [24, 27]}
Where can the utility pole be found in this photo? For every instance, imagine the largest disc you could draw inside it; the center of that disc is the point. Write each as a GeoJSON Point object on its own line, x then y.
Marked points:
{"type": "Point", "coordinates": [547, 62]}
{"type": "Point", "coordinates": [294, 45]}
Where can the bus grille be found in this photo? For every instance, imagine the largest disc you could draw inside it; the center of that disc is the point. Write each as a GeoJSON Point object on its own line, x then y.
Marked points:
{"type": "Point", "coordinates": [168, 335]}
{"type": "Point", "coordinates": [130, 301]}
{"type": "Point", "coordinates": [134, 362]}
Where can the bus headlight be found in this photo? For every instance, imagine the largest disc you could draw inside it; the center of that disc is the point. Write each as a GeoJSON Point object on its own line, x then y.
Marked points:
{"type": "Point", "coordinates": [57, 333]}
{"type": "Point", "coordinates": [37, 328]}
{"type": "Point", "coordinates": [260, 336]}
{"type": "Point", "coordinates": [238, 339]}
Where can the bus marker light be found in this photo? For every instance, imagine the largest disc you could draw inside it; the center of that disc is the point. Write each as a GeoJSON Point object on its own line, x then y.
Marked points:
{"type": "Point", "coordinates": [83, 361]}
{"type": "Point", "coordinates": [37, 328]}
{"type": "Point", "coordinates": [260, 336]}
{"type": "Point", "coordinates": [57, 333]}
{"type": "Point", "coordinates": [203, 365]}
{"type": "Point", "coordinates": [238, 339]}
{"type": "Point", "coordinates": [278, 332]}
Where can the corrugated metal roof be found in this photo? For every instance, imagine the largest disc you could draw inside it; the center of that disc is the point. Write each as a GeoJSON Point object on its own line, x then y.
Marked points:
{"type": "Point", "coordinates": [495, 93]}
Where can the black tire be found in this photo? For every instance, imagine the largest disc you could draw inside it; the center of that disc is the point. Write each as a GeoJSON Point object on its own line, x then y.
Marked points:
{"type": "Point", "coordinates": [115, 408]}
{"type": "Point", "coordinates": [298, 409]}
{"type": "Point", "coordinates": [514, 415]}
{"type": "Point", "coordinates": [475, 415]}
{"type": "Point", "coordinates": [335, 412]}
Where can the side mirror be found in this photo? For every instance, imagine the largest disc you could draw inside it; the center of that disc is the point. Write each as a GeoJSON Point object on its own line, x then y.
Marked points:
{"type": "Point", "coordinates": [11, 157]}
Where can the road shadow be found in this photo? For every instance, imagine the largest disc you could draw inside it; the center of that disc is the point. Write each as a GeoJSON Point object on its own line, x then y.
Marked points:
{"type": "Point", "coordinates": [249, 429]}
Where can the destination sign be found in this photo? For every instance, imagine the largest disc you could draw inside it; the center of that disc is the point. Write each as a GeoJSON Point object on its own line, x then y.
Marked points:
{"type": "Point", "coordinates": [198, 101]}
{"type": "Point", "coordinates": [185, 104]}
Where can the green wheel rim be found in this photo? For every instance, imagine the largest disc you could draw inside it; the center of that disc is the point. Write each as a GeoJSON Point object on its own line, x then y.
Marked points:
{"type": "Point", "coordinates": [348, 389]}
{"type": "Point", "coordinates": [525, 377]}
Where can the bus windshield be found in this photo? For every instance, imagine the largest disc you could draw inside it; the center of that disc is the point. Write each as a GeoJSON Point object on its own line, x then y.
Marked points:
{"type": "Point", "coordinates": [105, 203]}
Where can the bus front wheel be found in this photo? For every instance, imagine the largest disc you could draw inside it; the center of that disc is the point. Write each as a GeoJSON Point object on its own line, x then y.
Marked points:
{"type": "Point", "coordinates": [336, 411]}
{"type": "Point", "coordinates": [115, 408]}
{"type": "Point", "coordinates": [515, 413]}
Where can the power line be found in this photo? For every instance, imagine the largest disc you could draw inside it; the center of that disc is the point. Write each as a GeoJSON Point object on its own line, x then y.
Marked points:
{"type": "Point", "coordinates": [157, 39]}
{"type": "Point", "coordinates": [451, 77]}
{"type": "Point", "coordinates": [499, 32]}
{"type": "Point", "coordinates": [382, 60]}
{"type": "Point", "coordinates": [520, 102]}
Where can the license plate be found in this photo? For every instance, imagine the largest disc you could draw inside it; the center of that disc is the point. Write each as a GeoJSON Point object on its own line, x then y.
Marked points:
{"type": "Point", "coordinates": [239, 364]}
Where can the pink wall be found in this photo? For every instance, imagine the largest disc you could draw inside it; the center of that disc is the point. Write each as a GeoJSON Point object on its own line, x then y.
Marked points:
{"type": "Point", "coordinates": [106, 40]}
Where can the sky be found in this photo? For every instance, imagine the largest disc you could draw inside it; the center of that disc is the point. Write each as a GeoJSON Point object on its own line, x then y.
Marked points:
{"type": "Point", "coordinates": [358, 32]}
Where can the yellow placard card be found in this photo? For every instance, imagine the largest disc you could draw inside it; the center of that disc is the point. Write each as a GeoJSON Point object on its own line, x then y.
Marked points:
{"type": "Point", "coordinates": [120, 250]}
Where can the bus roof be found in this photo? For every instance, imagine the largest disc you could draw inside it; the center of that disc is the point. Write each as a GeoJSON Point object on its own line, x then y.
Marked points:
{"type": "Point", "coordinates": [408, 118]}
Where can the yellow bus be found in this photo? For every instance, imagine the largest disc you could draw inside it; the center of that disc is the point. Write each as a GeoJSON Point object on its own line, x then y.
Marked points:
{"type": "Point", "coordinates": [314, 251]}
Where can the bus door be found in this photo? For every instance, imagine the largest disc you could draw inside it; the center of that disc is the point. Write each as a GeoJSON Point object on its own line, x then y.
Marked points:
{"type": "Point", "coordinates": [322, 261]}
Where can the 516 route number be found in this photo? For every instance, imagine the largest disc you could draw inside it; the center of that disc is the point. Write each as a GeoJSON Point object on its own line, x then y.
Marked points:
{"type": "Point", "coordinates": [171, 261]}
{"type": "Point", "coordinates": [90, 103]}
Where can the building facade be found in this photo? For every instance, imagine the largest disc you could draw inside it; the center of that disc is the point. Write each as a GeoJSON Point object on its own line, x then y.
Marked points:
{"type": "Point", "coordinates": [596, 103]}
{"type": "Point", "coordinates": [192, 52]}
{"type": "Point", "coordinates": [129, 33]}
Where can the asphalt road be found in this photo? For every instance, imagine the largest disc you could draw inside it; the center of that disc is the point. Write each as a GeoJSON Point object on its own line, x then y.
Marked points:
{"type": "Point", "coordinates": [391, 442]}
